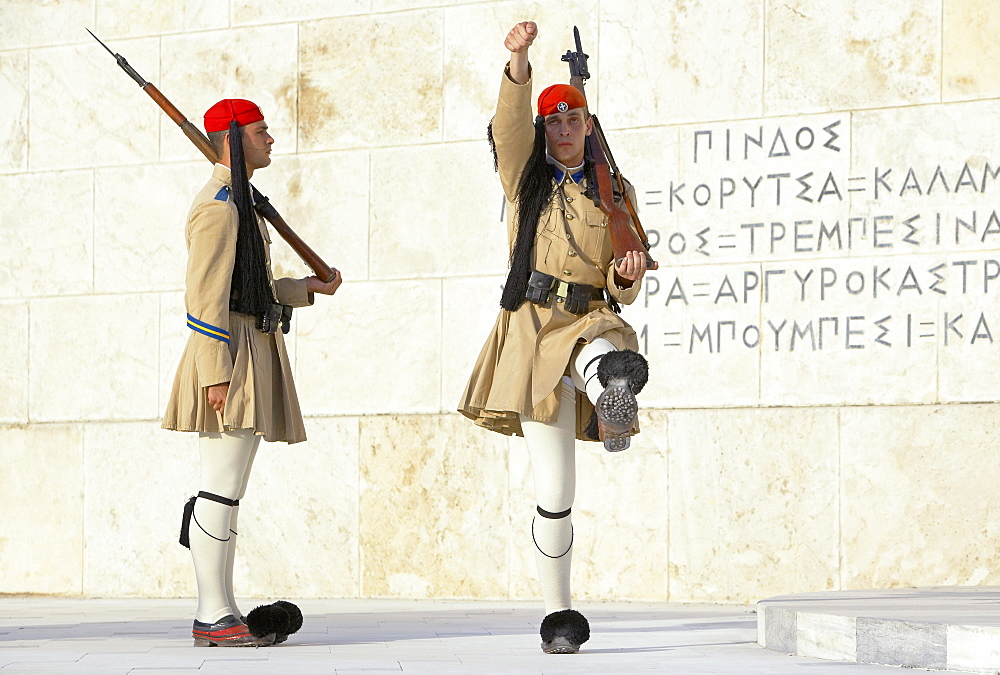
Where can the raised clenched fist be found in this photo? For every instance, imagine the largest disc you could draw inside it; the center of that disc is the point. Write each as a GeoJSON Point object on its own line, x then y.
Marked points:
{"type": "Point", "coordinates": [521, 36]}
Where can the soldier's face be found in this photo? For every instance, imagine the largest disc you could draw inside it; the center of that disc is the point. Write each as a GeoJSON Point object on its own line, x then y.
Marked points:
{"type": "Point", "coordinates": [565, 136]}
{"type": "Point", "coordinates": [256, 146]}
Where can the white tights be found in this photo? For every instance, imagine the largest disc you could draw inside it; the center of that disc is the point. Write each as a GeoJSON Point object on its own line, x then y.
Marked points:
{"type": "Point", "coordinates": [551, 450]}
{"type": "Point", "coordinates": [226, 460]}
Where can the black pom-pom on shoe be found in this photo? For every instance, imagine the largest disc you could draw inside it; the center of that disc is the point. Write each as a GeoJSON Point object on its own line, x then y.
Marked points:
{"type": "Point", "coordinates": [563, 632]}
{"type": "Point", "coordinates": [624, 363]}
{"type": "Point", "coordinates": [268, 620]}
{"type": "Point", "coordinates": [294, 616]}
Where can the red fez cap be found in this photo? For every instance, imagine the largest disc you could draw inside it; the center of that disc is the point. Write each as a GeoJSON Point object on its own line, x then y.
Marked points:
{"type": "Point", "coordinates": [245, 112]}
{"type": "Point", "coordinates": [560, 98]}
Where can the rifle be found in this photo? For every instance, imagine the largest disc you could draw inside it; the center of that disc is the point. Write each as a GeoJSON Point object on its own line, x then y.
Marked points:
{"type": "Point", "coordinates": [601, 169]}
{"type": "Point", "coordinates": [260, 202]}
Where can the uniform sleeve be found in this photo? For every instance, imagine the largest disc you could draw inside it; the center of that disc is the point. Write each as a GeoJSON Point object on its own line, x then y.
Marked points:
{"type": "Point", "coordinates": [628, 295]}
{"type": "Point", "coordinates": [513, 132]}
{"type": "Point", "coordinates": [292, 292]}
{"type": "Point", "coordinates": [211, 254]}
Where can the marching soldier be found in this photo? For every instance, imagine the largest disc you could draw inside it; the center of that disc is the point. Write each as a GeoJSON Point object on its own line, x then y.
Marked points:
{"type": "Point", "coordinates": [560, 363]}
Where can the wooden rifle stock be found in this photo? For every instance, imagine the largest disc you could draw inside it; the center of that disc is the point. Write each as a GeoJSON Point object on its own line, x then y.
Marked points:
{"type": "Point", "coordinates": [262, 204]}
{"type": "Point", "coordinates": [603, 170]}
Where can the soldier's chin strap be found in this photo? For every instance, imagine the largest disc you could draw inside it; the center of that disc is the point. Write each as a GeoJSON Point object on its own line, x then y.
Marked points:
{"type": "Point", "coordinates": [185, 538]}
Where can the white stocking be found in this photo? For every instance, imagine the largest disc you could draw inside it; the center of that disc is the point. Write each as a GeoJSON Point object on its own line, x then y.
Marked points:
{"type": "Point", "coordinates": [224, 460]}
{"type": "Point", "coordinates": [583, 366]}
{"type": "Point", "coordinates": [552, 453]}
{"type": "Point", "coordinates": [231, 551]}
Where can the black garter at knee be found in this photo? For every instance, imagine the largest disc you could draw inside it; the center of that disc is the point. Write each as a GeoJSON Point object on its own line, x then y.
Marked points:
{"type": "Point", "coordinates": [185, 538]}
{"type": "Point", "coordinates": [552, 516]}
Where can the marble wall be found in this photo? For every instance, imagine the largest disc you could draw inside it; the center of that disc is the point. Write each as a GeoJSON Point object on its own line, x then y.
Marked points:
{"type": "Point", "coordinates": [819, 181]}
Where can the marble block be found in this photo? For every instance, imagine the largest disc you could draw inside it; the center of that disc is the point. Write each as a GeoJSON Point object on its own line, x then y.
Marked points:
{"type": "Point", "coordinates": [29, 23]}
{"type": "Point", "coordinates": [138, 478]}
{"type": "Point", "coordinates": [325, 198]}
{"type": "Point", "coordinates": [255, 63]}
{"type": "Point", "coordinates": [113, 123]}
{"type": "Point", "coordinates": [416, 232]}
{"type": "Point", "coordinates": [41, 534]}
{"type": "Point", "coordinates": [973, 648]}
{"type": "Point", "coordinates": [56, 236]}
{"type": "Point", "coordinates": [852, 54]}
{"type": "Point", "coordinates": [753, 503]}
{"type": "Point", "coordinates": [469, 312]}
{"type": "Point", "coordinates": [347, 102]}
{"type": "Point", "coordinates": [119, 18]}
{"type": "Point", "coordinates": [654, 67]}
{"type": "Point", "coordinates": [433, 494]}
{"type": "Point", "coordinates": [831, 334]}
{"type": "Point", "coordinates": [933, 166]}
{"type": "Point", "coordinates": [917, 485]}
{"type": "Point", "coordinates": [620, 548]}
{"type": "Point", "coordinates": [374, 348]}
{"type": "Point", "coordinates": [762, 190]}
{"type": "Point", "coordinates": [93, 358]}
{"type": "Point", "coordinates": [826, 636]}
{"type": "Point", "coordinates": [13, 111]}
{"type": "Point", "coordinates": [299, 518]}
{"type": "Point", "coordinates": [14, 365]}
{"type": "Point", "coordinates": [969, 50]}
{"type": "Point", "coordinates": [474, 54]}
{"type": "Point", "coordinates": [139, 225]}
{"type": "Point", "coordinates": [700, 329]}
{"type": "Point", "coordinates": [282, 11]}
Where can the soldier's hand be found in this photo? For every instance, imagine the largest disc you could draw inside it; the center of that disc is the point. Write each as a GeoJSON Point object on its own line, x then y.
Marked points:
{"type": "Point", "coordinates": [632, 267]}
{"type": "Point", "coordinates": [217, 394]}
{"type": "Point", "coordinates": [315, 285]}
{"type": "Point", "coordinates": [521, 36]}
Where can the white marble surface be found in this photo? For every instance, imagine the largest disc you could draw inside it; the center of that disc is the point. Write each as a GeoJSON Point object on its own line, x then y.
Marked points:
{"type": "Point", "coordinates": [655, 68]}
{"type": "Point", "coordinates": [42, 530]}
{"type": "Point", "coordinates": [326, 199]}
{"type": "Point", "coordinates": [57, 251]}
{"type": "Point", "coordinates": [92, 358]}
{"type": "Point", "coordinates": [283, 11]}
{"type": "Point", "coordinates": [432, 495]}
{"type": "Point", "coordinates": [30, 23]}
{"type": "Point", "coordinates": [969, 50]}
{"type": "Point", "coordinates": [824, 636]}
{"type": "Point", "coordinates": [852, 54]}
{"type": "Point", "coordinates": [909, 465]}
{"type": "Point", "coordinates": [14, 347]}
{"type": "Point", "coordinates": [470, 306]}
{"type": "Point", "coordinates": [416, 232]}
{"type": "Point", "coordinates": [137, 479]}
{"type": "Point", "coordinates": [299, 521]}
{"type": "Point", "coordinates": [139, 225]}
{"type": "Point", "coordinates": [199, 68]}
{"type": "Point", "coordinates": [349, 102]}
{"type": "Point", "coordinates": [372, 349]}
{"type": "Point", "coordinates": [13, 111]}
{"type": "Point", "coordinates": [119, 18]}
{"type": "Point", "coordinates": [113, 122]}
{"type": "Point", "coordinates": [753, 503]}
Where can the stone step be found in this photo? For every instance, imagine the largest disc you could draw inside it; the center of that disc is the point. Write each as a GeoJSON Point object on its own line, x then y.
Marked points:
{"type": "Point", "coordinates": [954, 628]}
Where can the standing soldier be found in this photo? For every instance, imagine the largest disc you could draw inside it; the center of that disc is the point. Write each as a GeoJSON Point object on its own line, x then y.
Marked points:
{"type": "Point", "coordinates": [234, 382]}
{"type": "Point", "coordinates": [559, 364]}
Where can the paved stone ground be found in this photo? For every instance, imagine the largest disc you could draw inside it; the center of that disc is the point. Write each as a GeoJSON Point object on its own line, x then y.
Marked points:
{"type": "Point", "coordinates": [60, 635]}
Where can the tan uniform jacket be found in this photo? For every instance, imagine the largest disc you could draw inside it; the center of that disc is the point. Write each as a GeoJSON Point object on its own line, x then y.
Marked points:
{"type": "Point", "coordinates": [529, 349]}
{"type": "Point", "coordinates": [225, 346]}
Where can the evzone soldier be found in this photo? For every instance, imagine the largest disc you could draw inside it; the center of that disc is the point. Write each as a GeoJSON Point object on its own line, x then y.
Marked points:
{"type": "Point", "coordinates": [234, 382]}
{"type": "Point", "coordinates": [560, 364]}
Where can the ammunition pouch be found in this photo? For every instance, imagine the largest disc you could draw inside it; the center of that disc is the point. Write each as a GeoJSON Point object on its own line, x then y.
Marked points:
{"type": "Point", "coordinates": [277, 315]}
{"type": "Point", "coordinates": [575, 298]}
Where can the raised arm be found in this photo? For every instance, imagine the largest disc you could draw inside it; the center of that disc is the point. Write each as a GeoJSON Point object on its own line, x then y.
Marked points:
{"type": "Point", "coordinates": [518, 41]}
